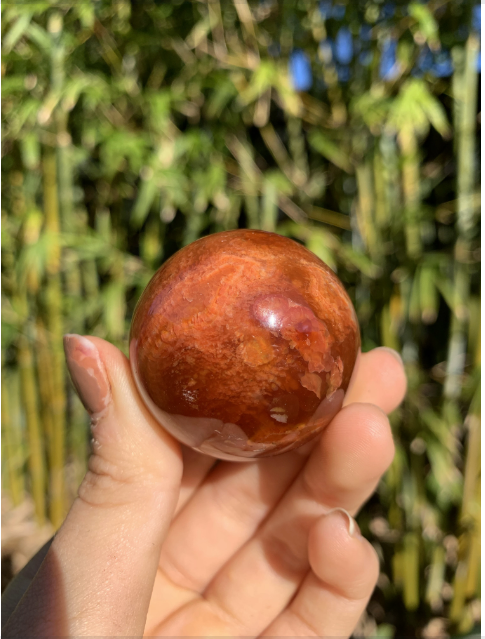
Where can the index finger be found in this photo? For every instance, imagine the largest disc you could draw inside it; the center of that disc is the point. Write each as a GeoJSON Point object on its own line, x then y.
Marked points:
{"type": "Point", "coordinates": [379, 378]}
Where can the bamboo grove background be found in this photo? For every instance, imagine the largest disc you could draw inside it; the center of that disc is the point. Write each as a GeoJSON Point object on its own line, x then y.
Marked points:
{"type": "Point", "coordinates": [131, 129]}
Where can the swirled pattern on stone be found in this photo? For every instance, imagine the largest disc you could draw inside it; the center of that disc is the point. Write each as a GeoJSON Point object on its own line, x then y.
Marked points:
{"type": "Point", "coordinates": [243, 344]}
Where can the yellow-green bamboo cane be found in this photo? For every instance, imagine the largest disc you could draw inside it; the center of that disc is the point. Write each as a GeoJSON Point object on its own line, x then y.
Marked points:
{"type": "Point", "coordinates": [53, 295]}
{"type": "Point", "coordinates": [11, 449]}
{"type": "Point", "coordinates": [411, 191]}
{"type": "Point", "coordinates": [365, 209]}
{"type": "Point", "coordinates": [31, 408]}
{"type": "Point", "coordinates": [466, 179]}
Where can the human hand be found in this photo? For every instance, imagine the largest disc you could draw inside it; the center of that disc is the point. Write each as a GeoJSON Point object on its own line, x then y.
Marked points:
{"type": "Point", "coordinates": [164, 541]}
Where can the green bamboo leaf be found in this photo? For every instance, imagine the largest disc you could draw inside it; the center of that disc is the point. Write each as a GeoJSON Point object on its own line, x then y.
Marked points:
{"type": "Point", "coordinates": [103, 225]}
{"type": "Point", "coordinates": [195, 224]}
{"type": "Point", "coordinates": [223, 92]}
{"type": "Point", "coordinates": [199, 32]}
{"type": "Point", "coordinates": [90, 84]}
{"type": "Point", "coordinates": [291, 101]}
{"type": "Point", "coordinates": [159, 109]}
{"type": "Point", "coordinates": [114, 309]}
{"type": "Point", "coordinates": [18, 29]}
{"type": "Point", "coordinates": [372, 108]}
{"type": "Point", "coordinates": [25, 116]}
{"type": "Point", "coordinates": [385, 630]}
{"type": "Point", "coordinates": [88, 246]}
{"type": "Point", "coordinates": [330, 150]}
{"type": "Point", "coordinates": [359, 260]}
{"type": "Point", "coordinates": [33, 261]}
{"type": "Point", "coordinates": [262, 79]}
{"type": "Point", "coordinates": [208, 183]}
{"type": "Point", "coordinates": [435, 113]}
{"type": "Point", "coordinates": [444, 479]}
{"type": "Point", "coordinates": [12, 85]}
{"type": "Point", "coordinates": [426, 22]}
{"type": "Point", "coordinates": [146, 196]}
{"type": "Point", "coordinates": [30, 151]}
{"type": "Point", "coordinates": [416, 108]}
{"type": "Point", "coordinates": [324, 245]}
{"type": "Point", "coordinates": [151, 247]}
{"type": "Point", "coordinates": [85, 11]}
{"type": "Point", "coordinates": [441, 430]}
{"type": "Point", "coordinates": [40, 37]}
{"type": "Point", "coordinates": [120, 145]}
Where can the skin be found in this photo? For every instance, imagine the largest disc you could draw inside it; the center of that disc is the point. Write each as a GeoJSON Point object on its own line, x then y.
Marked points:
{"type": "Point", "coordinates": [164, 541]}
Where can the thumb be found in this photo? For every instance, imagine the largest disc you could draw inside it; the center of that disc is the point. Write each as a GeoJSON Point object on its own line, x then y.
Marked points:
{"type": "Point", "coordinates": [98, 575]}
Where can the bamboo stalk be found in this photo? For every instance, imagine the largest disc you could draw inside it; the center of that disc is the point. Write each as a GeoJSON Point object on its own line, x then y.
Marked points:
{"type": "Point", "coordinates": [63, 138]}
{"type": "Point", "coordinates": [472, 584]}
{"type": "Point", "coordinates": [151, 247]}
{"type": "Point", "coordinates": [381, 204]}
{"type": "Point", "coordinates": [414, 305]}
{"type": "Point", "coordinates": [470, 511]}
{"type": "Point", "coordinates": [296, 143]}
{"type": "Point", "coordinates": [474, 330]}
{"type": "Point", "coordinates": [458, 333]}
{"type": "Point", "coordinates": [465, 624]}
{"type": "Point", "coordinates": [46, 388]}
{"type": "Point", "coordinates": [428, 295]}
{"type": "Point", "coordinates": [217, 28]}
{"type": "Point", "coordinates": [436, 577]}
{"type": "Point", "coordinates": [365, 209]}
{"type": "Point", "coordinates": [459, 592]}
{"type": "Point", "coordinates": [466, 176]}
{"type": "Point", "coordinates": [245, 16]}
{"type": "Point", "coordinates": [53, 297]}
{"type": "Point", "coordinates": [330, 217]}
{"type": "Point", "coordinates": [90, 279]}
{"type": "Point", "coordinates": [411, 191]}
{"type": "Point", "coordinates": [411, 571]}
{"type": "Point", "coordinates": [388, 329]}
{"type": "Point", "coordinates": [36, 452]}
{"type": "Point", "coordinates": [12, 450]}
{"type": "Point", "coordinates": [469, 506]}
{"type": "Point", "coordinates": [466, 169]}
{"type": "Point", "coordinates": [269, 213]}
{"type": "Point", "coordinates": [277, 149]}
{"type": "Point", "coordinates": [390, 176]}
{"type": "Point", "coordinates": [115, 304]}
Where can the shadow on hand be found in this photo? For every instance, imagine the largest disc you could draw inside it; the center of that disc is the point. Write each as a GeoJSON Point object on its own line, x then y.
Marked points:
{"type": "Point", "coordinates": [33, 604]}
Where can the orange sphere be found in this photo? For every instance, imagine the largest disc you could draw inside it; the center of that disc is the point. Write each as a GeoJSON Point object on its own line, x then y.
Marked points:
{"type": "Point", "coordinates": [243, 344]}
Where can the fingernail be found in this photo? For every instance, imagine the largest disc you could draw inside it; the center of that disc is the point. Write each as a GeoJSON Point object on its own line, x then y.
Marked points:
{"type": "Point", "coordinates": [353, 527]}
{"type": "Point", "coordinates": [88, 373]}
{"type": "Point", "coordinates": [392, 352]}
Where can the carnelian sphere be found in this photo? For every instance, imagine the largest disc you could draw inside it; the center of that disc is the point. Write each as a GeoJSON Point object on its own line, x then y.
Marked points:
{"type": "Point", "coordinates": [243, 344]}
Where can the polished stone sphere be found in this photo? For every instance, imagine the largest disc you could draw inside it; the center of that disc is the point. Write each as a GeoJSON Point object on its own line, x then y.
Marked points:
{"type": "Point", "coordinates": [243, 344]}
